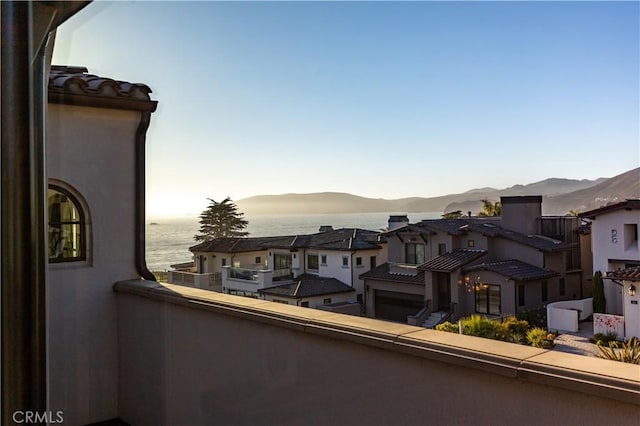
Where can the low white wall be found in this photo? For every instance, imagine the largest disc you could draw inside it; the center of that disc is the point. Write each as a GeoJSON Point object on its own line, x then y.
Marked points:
{"type": "Point", "coordinates": [562, 319]}
{"type": "Point", "coordinates": [565, 315]}
{"type": "Point", "coordinates": [605, 323]}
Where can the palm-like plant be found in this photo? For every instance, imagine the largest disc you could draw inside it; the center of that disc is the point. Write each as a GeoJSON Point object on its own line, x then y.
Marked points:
{"type": "Point", "coordinates": [628, 352]}
{"type": "Point", "coordinates": [490, 208]}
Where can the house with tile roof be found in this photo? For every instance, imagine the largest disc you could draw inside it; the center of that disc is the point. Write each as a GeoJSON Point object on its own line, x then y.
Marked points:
{"type": "Point", "coordinates": [448, 268]}
{"type": "Point", "coordinates": [614, 244]}
{"type": "Point", "coordinates": [293, 268]}
{"type": "Point", "coordinates": [95, 159]}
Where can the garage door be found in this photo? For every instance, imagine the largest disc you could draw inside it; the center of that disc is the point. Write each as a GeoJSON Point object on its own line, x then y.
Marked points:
{"type": "Point", "coordinates": [394, 306]}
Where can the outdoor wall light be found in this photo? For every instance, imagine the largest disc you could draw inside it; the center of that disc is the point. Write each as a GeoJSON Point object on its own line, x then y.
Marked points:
{"type": "Point", "coordinates": [632, 290]}
{"type": "Point", "coordinates": [469, 285]}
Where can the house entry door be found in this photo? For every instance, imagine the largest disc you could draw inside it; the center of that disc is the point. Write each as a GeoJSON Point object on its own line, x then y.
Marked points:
{"type": "Point", "coordinates": [444, 290]}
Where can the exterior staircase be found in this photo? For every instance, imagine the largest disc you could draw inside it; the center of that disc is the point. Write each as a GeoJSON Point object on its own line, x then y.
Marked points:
{"type": "Point", "coordinates": [434, 319]}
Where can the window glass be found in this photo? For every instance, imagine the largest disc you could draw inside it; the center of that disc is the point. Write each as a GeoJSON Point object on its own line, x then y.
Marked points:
{"type": "Point", "coordinates": [488, 299]}
{"type": "Point", "coordinates": [414, 253]}
{"type": "Point", "coordinates": [66, 227]}
{"type": "Point", "coordinates": [312, 261]}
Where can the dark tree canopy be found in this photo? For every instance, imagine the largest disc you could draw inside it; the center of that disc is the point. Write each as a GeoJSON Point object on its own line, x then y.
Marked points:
{"type": "Point", "coordinates": [490, 209]}
{"type": "Point", "coordinates": [453, 215]}
{"type": "Point", "coordinates": [221, 219]}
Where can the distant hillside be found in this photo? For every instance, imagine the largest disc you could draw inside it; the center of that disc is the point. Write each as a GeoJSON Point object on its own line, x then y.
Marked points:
{"type": "Point", "coordinates": [613, 190]}
{"type": "Point", "coordinates": [336, 202]}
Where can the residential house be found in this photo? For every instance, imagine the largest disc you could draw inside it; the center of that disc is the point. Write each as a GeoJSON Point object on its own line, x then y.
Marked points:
{"type": "Point", "coordinates": [614, 244]}
{"type": "Point", "coordinates": [248, 266]}
{"type": "Point", "coordinates": [487, 265]}
{"type": "Point", "coordinates": [616, 253]}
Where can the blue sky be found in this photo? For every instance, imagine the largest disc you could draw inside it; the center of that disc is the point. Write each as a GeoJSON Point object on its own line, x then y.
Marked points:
{"type": "Point", "coordinates": [379, 99]}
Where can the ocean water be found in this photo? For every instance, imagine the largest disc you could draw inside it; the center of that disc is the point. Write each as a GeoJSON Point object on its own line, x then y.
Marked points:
{"type": "Point", "coordinates": [168, 240]}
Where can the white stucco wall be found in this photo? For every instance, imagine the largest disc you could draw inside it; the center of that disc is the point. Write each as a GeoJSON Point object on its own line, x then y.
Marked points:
{"type": "Point", "coordinates": [605, 246]}
{"type": "Point", "coordinates": [608, 242]}
{"type": "Point", "coordinates": [92, 150]}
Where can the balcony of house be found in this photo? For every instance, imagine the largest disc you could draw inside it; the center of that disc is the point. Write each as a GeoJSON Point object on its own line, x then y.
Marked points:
{"type": "Point", "coordinates": [269, 363]}
{"type": "Point", "coordinates": [211, 281]}
{"type": "Point", "coordinates": [236, 279]}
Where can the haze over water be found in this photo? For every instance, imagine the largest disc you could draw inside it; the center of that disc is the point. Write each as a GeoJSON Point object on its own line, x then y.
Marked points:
{"type": "Point", "coordinates": [169, 240]}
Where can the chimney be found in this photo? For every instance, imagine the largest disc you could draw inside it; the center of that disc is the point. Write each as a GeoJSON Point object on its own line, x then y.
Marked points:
{"type": "Point", "coordinates": [398, 221]}
{"type": "Point", "coordinates": [521, 213]}
{"type": "Point", "coordinates": [325, 228]}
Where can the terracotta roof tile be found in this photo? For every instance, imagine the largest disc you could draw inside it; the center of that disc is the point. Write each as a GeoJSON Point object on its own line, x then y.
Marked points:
{"type": "Point", "coordinates": [627, 274]}
{"type": "Point", "coordinates": [67, 83]}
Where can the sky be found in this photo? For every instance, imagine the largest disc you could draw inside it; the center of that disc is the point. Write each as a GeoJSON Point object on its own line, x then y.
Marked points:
{"type": "Point", "coordinates": [378, 99]}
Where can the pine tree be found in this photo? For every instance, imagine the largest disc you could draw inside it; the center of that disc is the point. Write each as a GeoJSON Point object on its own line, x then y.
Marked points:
{"type": "Point", "coordinates": [221, 220]}
{"type": "Point", "coordinates": [453, 215]}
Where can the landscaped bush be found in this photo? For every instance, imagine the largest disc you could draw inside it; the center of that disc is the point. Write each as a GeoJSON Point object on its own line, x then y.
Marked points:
{"type": "Point", "coordinates": [540, 338]}
{"type": "Point", "coordinates": [448, 327]}
{"type": "Point", "coordinates": [603, 339]}
{"type": "Point", "coordinates": [628, 351]}
{"type": "Point", "coordinates": [514, 330]}
{"type": "Point", "coordinates": [535, 318]}
{"type": "Point", "coordinates": [479, 326]}
{"type": "Point", "coordinates": [511, 329]}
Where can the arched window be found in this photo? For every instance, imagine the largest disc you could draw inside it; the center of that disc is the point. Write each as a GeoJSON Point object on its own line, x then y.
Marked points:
{"type": "Point", "coordinates": [67, 239]}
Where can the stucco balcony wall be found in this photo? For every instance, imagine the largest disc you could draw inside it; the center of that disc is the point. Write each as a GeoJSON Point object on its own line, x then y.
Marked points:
{"type": "Point", "coordinates": [192, 357]}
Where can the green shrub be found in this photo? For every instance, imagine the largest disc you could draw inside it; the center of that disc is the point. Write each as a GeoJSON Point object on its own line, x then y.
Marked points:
{"type": "Point", "coordinates": [603, 339]}
{"type": "Point", "coordinates": [477, 325]}
{"type": "Point", "coordinates": [514, 330]}
{"type": "Point", "coordinates": [628, 351]}
{"type": "Point", "coordinates": [535, 318]}
{"type": "Point", "coordinates": [448, 327]}
{"type": "Point", "coordinates": [540, 338]}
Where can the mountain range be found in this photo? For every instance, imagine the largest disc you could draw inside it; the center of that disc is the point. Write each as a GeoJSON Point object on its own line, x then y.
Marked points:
{"type": "Point", "coordinates": [560, 196]}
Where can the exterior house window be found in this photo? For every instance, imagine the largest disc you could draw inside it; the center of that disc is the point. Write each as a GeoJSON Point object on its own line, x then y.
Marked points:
{"type": "Point", "coordinates": [258, 260]}
{"type": "Point", "coordinates": [67, 226]}
{"type": "Point", "coordinates": [281, 261]}
{"type": "Point", "coordinates": [471, 243]}
{"type": "Point", "coordinates": [224, 261]}
{"type": "Point", "coordinates": [305, 304]}
{"type": "Point", "coordinates": [358, 261]}
{"type": "Point", "coordinates": [414, 253]}
{"type": "Point", "coordinates": [488, 299]}
{"type": "Point", "coordinates": [327, 301]}
{"type": "Point", "coordinates": [345, 261]}
{"type": "Point", "coordinates": [521, 295]}
{"type": "Point", "coordinates": [312, 261]}
{"type": "Point", "coordinates": [323, 259]}
{"type": "Point", "coordinates": [442, 249]}
{"type": "Point", "coordinates": [545, 291]}
{"type": "Point", "coordinates": [630, 236]}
